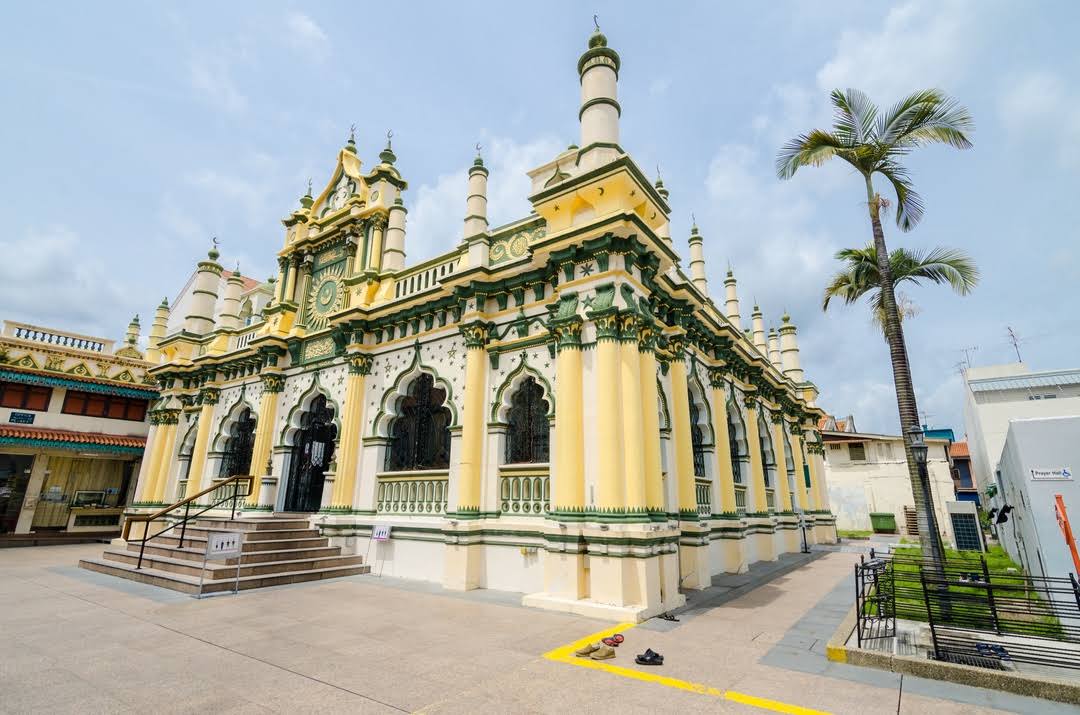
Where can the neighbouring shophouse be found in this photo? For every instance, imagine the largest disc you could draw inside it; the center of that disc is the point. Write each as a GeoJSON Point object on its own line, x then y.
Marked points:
{"type": "Point", "coordinates": [869, 484]}
{"type": "Point", "coordinates": [964, 486]}
{"type": "Point", "coordinates": [73, 426]}
{"type": "Point", "coordinates": [558, 406]}
{"type": "Point", "coordinates": [995, 395]}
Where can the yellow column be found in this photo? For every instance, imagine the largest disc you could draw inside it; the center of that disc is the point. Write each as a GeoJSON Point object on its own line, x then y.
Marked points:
{"type": "Point", "coordinates": [797, 458]}
{"type": "Point", "coordinates": [633, 437]}
{"type": "Point", "coordinates": [351, 426]}
{"type": "Point", "coordinates": [290, 277]}
{"type": "Point", "coordinates": [753, 444]}
{"type": "Point", "coordinates": [611, 497]}
{"type": "Point", "coordinates": [154, 440]}
{"type": "Point", "coordinates": [723, 444]}
{"type": "Point", "coordinates": [164, 463]}
{"type": "Point", "coordinates": [375, 256]}
{"type": "Point", "coordinates": [680, 419]}
{"type": "Point", "coordinates": [781, 462]}
{"type": "Point", "coordinates": [208, 397]}
{"type": "Point", "coordinates": [273, 384]}
{"type": "Point", "coordinates": [472, 426]}
{"type": "Point", "coordinates": [569, 487]}
{"type": "Point", "coordinates": [650, 406]}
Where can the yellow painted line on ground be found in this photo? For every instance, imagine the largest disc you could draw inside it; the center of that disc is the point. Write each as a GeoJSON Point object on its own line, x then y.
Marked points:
{"type": "Point", "coordinates": [565, 654]}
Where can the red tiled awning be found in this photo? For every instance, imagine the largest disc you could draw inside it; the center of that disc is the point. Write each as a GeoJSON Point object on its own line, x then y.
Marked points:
{"type": "Point", "coordinates": [58, 435]}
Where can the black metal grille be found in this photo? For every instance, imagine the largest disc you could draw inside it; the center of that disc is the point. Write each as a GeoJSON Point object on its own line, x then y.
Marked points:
{"type": "Point", "coordinates": [697, 438]}
{"type": "Point", "coordinates": [767, 459]}
{"type": "Point", "coordinates": [238, 447]}
{"type": "Point", "coordinates": [420, 436]}
{"type": "Point", "coordinates": [529, 432]}
{"type": "Point", "coordinates": [736, 452]}
{"type": "Point", "coordinates": [311, 455]}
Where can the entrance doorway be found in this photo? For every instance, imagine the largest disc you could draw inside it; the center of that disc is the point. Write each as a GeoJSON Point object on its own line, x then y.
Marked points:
{"type": "Point", "coordinates": [14, 476]}
{"type": "Point", "coordinates": [313, 449]}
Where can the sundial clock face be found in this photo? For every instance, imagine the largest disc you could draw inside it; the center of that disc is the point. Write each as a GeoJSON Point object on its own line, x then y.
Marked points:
{"type": "Point", "coordinates": [326, 298]}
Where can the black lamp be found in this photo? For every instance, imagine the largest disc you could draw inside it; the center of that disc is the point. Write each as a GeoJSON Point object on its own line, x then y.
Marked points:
{"type": "Point", "coordinates": [917, 443]}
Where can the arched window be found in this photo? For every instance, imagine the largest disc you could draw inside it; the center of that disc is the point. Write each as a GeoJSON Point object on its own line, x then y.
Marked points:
{"type": "Point", "coordinates": [238, 446]}
{"type": "Point", "coordinates": [736, 451]}
{"type": "Point", "coordinates": [420, 435]}
{"type": "Point", "coordinates": [528, 438]}
{"type": "Point", "coordinates": [697, 438]}
{"type": "Point", "coordinates": [768, 458]}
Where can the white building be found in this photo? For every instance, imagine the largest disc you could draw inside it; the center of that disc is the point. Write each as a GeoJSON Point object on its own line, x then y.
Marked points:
{"type": "Point", "coordinates": [1038, 463]}
{"type": "Point", "coordinates": [996, 394]}
{"type": "Point", "coordinates": [868, 474]}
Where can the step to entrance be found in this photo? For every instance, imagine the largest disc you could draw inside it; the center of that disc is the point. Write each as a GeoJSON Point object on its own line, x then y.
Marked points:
{"type": "Point", "coordinates": [276, 551]}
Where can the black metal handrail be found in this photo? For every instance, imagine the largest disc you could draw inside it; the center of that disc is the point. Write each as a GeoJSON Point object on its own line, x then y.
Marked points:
{"type": "Point", "coordinates": [241, 487]}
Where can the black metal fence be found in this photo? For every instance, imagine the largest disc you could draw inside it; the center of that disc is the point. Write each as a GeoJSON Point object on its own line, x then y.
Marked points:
{"type": "Point", "coordinates": [976, 616]}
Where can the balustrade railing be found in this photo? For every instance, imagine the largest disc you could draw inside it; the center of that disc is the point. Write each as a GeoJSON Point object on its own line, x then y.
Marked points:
{"type": "Point", "coordinates": [413, 494]}
{"type": "Point", "coordinates": [59, 338]}
{"type": "Point", "coordinates": [241, 340]}
{"type": "Point", "coordinates": [740, 499]}
{"type": "Point", "coordinates": [524, 494]}
{"type": "Point", "coordinates": [703, 491]}
{"type": "Point", "coordinates": [416, 281]}
{"type": "Point", "coordinates": [770, 500]}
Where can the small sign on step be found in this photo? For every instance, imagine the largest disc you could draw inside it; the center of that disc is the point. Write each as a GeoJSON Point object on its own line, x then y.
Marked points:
{"type": "Point", "coordinates": [222, 545]}
{"type": "Point", "coordinates": [380, 532]}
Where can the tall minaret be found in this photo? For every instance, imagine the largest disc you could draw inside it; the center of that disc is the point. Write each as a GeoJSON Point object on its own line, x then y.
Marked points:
{"type": "Point", "coordinates": [774, 349]}
{"type": "Point", "coordinates": [200, 320]}
{"type": "Point", "coordinates": [598, 68]}
{"type": "Point", "coordinates": [132, 337]}
{"type": "Point", "coordinates": [664, 231]}
{"type": "Point", "coordinates": [230, 301]}
{"type": "Point", "coordinates": [757, 321]}
{"type": "Point", "coordinates": [731, 302]}
{"type": "Point", "coordinates": [476, 203]}
{"type": "Point", "coordinates": [789, 350]}
{"type": "Point", "coordinates": [697, 261]}
{"type": "Point", "coordinates": [157, 331]}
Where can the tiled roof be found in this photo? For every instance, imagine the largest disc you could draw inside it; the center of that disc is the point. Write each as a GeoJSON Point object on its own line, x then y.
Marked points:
{"type": "Point", "coordinates": [80, 382]}
{"type": "Point", "coordinates": [959, 449]}
{"type": "Point", "coordinates": [59, 435]}
{"type": "Point", "coordinates": [841, 425]}
{"type": "Point", "coordinates": [249, 283]}
{"type": "Point", "coordinates": [1027, 381]}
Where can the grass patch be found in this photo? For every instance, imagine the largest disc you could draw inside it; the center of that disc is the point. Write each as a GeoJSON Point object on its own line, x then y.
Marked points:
{"type": "Point", "coordinates": [854, 533]}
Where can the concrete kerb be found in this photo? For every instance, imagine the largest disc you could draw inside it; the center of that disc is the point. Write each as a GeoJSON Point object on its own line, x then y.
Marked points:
{"type": "Point", "coordinates": [838, 651]}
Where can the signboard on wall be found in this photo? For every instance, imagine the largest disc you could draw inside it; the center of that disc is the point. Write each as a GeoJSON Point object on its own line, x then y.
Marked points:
{"type": "Point", "coordinates": [21, 418]}
{"type": "Point", "coordinates": [1051, 475]}
{"type": "Point", "coordinates": [380, 532]}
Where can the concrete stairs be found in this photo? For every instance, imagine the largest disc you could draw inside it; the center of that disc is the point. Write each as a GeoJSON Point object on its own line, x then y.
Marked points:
{"type": "Point", "coordinates": [277, 550]}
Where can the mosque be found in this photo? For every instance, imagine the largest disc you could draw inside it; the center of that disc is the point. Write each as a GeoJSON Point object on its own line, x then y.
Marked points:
{"type": "Point", "coordinates": [554, 407]}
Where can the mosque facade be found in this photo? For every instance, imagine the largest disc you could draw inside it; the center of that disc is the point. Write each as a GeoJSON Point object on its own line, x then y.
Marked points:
{"type": "Point", "coordinates": [553, 407]}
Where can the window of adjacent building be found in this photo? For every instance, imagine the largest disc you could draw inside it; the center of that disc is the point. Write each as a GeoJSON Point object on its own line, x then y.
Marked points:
{"type": "Point", "coordinates": [24, 397]}
{"type": "Point", "coordinates": [113, 407]}
{"type": "Point", "coordinates": [528, 435]}
{"type": "Point", "coordinates": [420, 436]}
{"type": "Point", "coordinates": [857, 452]}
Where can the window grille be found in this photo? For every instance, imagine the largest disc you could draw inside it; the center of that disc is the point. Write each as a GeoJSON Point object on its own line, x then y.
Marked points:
{"type": "Point", "coordinates": [857, 452]}
{"type": "Point", "coordinates": [697, 438]}
{"type": "Point", "coordinates": [420, 435]}
{"type": "Point", "coordinates": [238, 446]}
{"type": "Point", "coordinates": [528, 437]}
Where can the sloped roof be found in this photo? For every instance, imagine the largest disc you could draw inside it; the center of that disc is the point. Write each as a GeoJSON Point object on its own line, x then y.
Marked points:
{"type": "Point", "coordinates": [39, 434]}
{"type": "Point", "coordinates": [959, 449]}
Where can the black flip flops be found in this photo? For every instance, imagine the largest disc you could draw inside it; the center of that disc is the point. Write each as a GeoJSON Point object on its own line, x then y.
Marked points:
{"type": "Point", "coordinates": [649, 657]}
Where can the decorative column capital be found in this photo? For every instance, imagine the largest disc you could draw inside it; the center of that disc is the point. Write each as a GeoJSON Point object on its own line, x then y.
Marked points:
{"type": "Point", "coordinates": [476, 335]}
{"type": "Point", "coordinates": [646, 336]}
{"type": "Point", "coordinates": [607, 326]}
{"type": "Point", "coordinates": [628, 328]}
{"type": "Point", "coordinates": [717, 378]}
{"type": "Point", "coordinates": [273, 382]}
{"type": "Point", "coordinates": [360, 364]}
{"type": "Point", "coordinates": [750, 401]}
{"type": "Point", "coordinates": [777, 417]}
{"type": "Point", "coordinates": [379, 221]}
{"type": "Point", "coordinates": [677, 344]}
{"type": "Point", "coordinates": [567, 333]}
{"type": "Point", "coordinates": [209, 396]}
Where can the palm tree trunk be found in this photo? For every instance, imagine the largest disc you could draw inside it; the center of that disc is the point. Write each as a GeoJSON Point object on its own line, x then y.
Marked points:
{"type": "Point", "coordinates": [929, 536]}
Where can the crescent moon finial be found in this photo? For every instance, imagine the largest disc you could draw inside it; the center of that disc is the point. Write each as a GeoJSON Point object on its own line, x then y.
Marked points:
{"type": "Point", "coordinates": [215, 241]}
{"type": "Point", "coordinates": [596, 22]}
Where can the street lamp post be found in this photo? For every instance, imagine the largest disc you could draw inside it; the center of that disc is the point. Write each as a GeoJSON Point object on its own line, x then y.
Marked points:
{"type": "Point", "coordinates": [919, 452]}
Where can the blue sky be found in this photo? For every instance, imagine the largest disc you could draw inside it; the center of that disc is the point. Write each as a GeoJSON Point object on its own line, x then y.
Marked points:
{"type": "Point", "coordinates": [135, 131]}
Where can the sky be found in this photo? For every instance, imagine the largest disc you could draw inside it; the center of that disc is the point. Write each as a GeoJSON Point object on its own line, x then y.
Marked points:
{"type": "Point", "coordinates": [134, 132]}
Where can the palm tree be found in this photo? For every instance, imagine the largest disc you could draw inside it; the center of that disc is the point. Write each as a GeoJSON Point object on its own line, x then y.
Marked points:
{"type": "Point", "coordinates": [861, 277]}
{"type": "Point", "coordinates": [876, 143]}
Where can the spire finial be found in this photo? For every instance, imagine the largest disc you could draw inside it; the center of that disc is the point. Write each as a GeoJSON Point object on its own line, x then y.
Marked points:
{"type": "Point", "coordinates": [389, 136]}
{"type": "Point", "coordinates": [352, 133]}
{"type": "Point", "coordinates": [387, 155]}
{"type": "Point", "coordinates": [479, 160]}
{"type": "Point", "coordinates": [309, 186]}
{"type": "Point", "coordinates": [596, 22]}
{"type": "Point", "coordinates": [597, 39]}
{"type": "Point", "coordinates": [237, 271]}
{"type": "Point", "coordinates": [213, 253]}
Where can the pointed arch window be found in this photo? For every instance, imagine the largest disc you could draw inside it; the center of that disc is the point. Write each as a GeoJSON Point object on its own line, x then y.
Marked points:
{"type": "Point", "coordinates": [528, 437]}
{"type": "Point", "coordinates": [736, 452]}
{"type": "Point", "coordinates": [697, 438]}
{"type": "Point", "coordinates": [420, 435]}
{"type": "Point", "coordinates": [238, 446]}
{"type": "Point", "coordinates": [768, 458]}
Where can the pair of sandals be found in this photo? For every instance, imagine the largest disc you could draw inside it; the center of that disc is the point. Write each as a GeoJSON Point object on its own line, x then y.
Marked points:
{"type": "Point", "coordinates": [602, 650]}
{"type": "Point", "coordinates": [992, 650]}
{"type": "Point", "coordinates": [649, 657]}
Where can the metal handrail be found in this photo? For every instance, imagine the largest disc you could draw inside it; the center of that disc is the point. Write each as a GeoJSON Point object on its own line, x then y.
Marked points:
{"type": "Point", "coordinates": [236, 481]}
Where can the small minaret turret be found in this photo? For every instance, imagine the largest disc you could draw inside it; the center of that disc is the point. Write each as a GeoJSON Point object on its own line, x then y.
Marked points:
{"type": "Point", "coordinates": [230, 301]}
{"type": "Point", "coordinates": [598, 68]}
{"type": "Point", "coordinates": [200, 320]}
{"type": "Point", "coordinates": [394, 253]}
{"type": "Point", "coordinates": [757, 322]}
{"type": "Point", "coordinates": [774, 349]}
{"type": "Point", "coordinates": [476, 203]}
{"type": "Point", "coordinates": [133, 328]}
{"type": "Point", "coordinates": [664, 230]}
{"type": "Point", "coordinates": [789, 351]}
{"type": "Point", "coordinates": [731, 302]}
{"type": "Point", "coordinates": [157, 331]}
{"type": "Point", "coordinates": [697, 261]}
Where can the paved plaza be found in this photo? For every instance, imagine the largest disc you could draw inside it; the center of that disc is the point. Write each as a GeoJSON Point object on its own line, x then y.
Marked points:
{"type": "Point", "coordinates": [81, 642]}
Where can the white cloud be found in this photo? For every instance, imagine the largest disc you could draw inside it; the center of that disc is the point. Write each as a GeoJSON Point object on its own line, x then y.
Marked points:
{"type": "Point", "coordinates": [1039, 106]}
{"type": "Point", "coordinates": [920, 44]}
{"type": "Point", "coordinates": [59, 281]}
{"type": "Point", "coordinates": [305, 34]}
{"type": "Point", "coordinates": [237, 193]}
{"type": "Point", "coordinates": [437, 214]}
{"type": "Point", "coordinates": [211, 75]}
{"type": "Point", "coordinates": [659, 86]}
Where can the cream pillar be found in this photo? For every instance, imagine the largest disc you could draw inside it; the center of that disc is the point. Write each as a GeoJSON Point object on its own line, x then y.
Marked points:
{"type": "Point", "coordinates": [633, 435]}
{"type": "Point", "coordinates": [273, 385]}
{"type": "Point", "coordinates": [169, 420]}
{"type": "Point", "coordinates": [351, 428]}
{"type": "Point", "coordinates": [781, 461]}
{"type": "Point", "coordinates": [472, 423]}
{"type": "Point", "coordinates": [154, 440]}
{"type": "Point", "coordinates": [290, 278]}
{"type": "Point", "coordinates": [378, 229]}
{"type": "Point", "coordinates": [208, 397]}
{"type": "Point", "coordinates": [569, 488]}
{"type": "Point", "coordinates": [753, 445]}
{"type": "Point", "coordinates": [723, 444]}
{"type": "Point", "coordinates": [680, 422]}
{"type": "Point", "coordinates": [611, 489]}
{"type": "Point", "coordinates": [650, 406]}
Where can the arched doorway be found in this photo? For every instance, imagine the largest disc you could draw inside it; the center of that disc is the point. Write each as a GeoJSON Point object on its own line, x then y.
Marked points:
{"type": "Point", "coordinates": [313, 449]}
{"type": "Point", "coordinates": [238, 446]}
